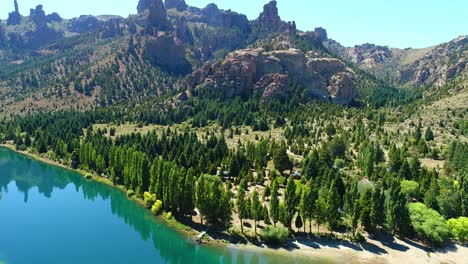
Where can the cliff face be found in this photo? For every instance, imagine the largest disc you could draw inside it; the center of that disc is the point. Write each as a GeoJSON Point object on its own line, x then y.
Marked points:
{"type": "Point", "coordinates": [417, 67]}
{"type": "Point", "coordinates": [247, 70]}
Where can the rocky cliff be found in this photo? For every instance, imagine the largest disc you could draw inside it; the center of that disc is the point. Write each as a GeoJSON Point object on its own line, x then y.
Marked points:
{"type": "Point", "coordinates": [247, 70]}
{"type": "Point", "coordinates": [417, 67]}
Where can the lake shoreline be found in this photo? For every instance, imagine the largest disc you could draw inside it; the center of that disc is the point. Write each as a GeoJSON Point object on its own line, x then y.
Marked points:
{"type": "Point", "coordinates": [302, 247]}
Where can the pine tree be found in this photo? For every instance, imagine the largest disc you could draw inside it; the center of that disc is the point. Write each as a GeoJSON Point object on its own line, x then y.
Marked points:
{"type": "Point", "coordinates": [256, 209]}
{"type": "Point", "coordinates": [290, 201]}
{"type": "Point", "coordinates": [378, 206]}
{"type": "Point", "coordinates": [307, 203]}
{"type": "Point", "coordinates": [333, 204]}
{"type": "Point", "coordinates": [396, 210]}
{"type": "Point", "coordinates": [274, 203]}
{"type": "Point", "coordinates": [366, 210]}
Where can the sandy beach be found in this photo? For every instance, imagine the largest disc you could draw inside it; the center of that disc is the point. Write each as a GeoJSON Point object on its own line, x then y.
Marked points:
{"type": "Point", "coordinates": [372, 251]}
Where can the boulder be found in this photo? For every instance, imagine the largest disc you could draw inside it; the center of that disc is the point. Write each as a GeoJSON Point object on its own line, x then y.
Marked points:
{"type": "Point", "coordinates": [168, 52]}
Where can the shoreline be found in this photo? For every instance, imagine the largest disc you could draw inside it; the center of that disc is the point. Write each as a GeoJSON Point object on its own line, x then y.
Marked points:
{"type": "Point", "coordinates": [340, 251]}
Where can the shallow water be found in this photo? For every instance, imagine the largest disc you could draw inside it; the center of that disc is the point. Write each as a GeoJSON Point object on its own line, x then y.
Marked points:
{"type": "Point", "coordinates": [51, 215]}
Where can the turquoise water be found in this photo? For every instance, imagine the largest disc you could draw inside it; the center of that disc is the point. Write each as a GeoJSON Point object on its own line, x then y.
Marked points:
{"type": "Point", "coordinates": [51, 215]}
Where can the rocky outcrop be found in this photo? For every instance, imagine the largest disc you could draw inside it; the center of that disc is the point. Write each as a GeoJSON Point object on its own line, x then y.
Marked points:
{"type": "Point", "coordinates": [442, 64]}
{"type": "Point", "coordinates": [321, 33]}
{"type": "Point", "coordinates": [54, 17]}
{"type": "Point", "coordinates": [182, 31]}
{"type": "Point", "coordinates": [38, 16]}
{"type": "Point", "coordinates": [244, 71]}
{"type": "Point", "coordinates": [2, 36]}
{"type": "Point", "coordinates": [273, 85]}
{"type": "Point", "coordinates": [369, 54]}
{"type": "Point", "coordinates": [212, 15]}
{"type": "Point", "coordinates": [153, 16]}
{"type": "Point", "coordinates": [269, 20]}
{"type": "Point", "coordinates": [168, 52]}
{"type": "Point", "coordinates": [14, 18]}
{"type": "Point", "coordinates": [180, 5]}
{"type": "Point", "coordinates": [84, 24]}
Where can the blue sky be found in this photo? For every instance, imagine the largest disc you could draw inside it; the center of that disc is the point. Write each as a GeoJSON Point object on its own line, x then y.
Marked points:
{"type": "Point", "coordinates": [396, 23]}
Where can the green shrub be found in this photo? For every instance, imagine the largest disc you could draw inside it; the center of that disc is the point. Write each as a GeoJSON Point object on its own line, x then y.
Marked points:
{"type": "Point", "coordinates": [410, 189]}
{"type": "Point", "coordinates": [149, 199]}
{"type": "Point", "coordinates": [428, 224]}
{"type": "Point", "coordinates": [130, 193]}
{"type": "Point", "coordinates": [459, 228]}
{"type": "Point", "coordinates": [156, 208]}
{"type": "Point", "coordinates": [275, 235]}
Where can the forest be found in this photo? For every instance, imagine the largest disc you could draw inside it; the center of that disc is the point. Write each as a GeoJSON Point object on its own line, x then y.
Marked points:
{"type": "Point", "coordinates": [320, 178]}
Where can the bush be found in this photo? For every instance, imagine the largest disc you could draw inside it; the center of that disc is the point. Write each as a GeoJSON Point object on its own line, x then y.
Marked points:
{"type": "Point", "coordinates": [156, 208]}
{"type": "Point", "coordinates": [275, 235]}
{"type": "Point", "coordinates": [130, 193]}
{"type": "Point", "coordinates": [459, 228]}
{"type": "Point", "coordinates": [149, 199]}
{"type": "Point", "coordinates": [410, 189]}
{"type": "Point", "coordinates": [428, 223]}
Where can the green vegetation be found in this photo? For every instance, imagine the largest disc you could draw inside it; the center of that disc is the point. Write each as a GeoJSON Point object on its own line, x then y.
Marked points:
{"type": "Point", "coordinates": [328, 168]}
{"type": "Point", "coordinates": [428, 223]}
{"type": "Point", "coordinates": [459, 228]}
{"type": "Point", "coordinates": [275, 235]}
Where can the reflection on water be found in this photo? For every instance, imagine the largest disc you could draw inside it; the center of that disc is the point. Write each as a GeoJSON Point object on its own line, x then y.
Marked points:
{"type": "Point", "coordinates": [122, 232]}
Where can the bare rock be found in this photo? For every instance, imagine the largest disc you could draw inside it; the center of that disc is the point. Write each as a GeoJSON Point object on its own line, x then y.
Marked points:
{"type": "Point", "coordinates": [14, 18]}
{"type": "Point", "coordinates": [168, 52]}
{"type": "Point", "coordinates": [153, 16]}
{"type": "Point", "coordinates": [273, 85]}
{"type": "Point", "coordinates": [244, 71]}
{"type": "Point", "coordinates": [84, 24]}
{"type": "Point", "coordinates": [180, 5]}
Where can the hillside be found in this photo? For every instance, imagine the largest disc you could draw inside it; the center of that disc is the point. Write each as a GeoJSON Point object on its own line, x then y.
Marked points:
{"type": "Point", "coordinates": [432, 66]}
{"type": "Point", "coordinates": [50, 63]}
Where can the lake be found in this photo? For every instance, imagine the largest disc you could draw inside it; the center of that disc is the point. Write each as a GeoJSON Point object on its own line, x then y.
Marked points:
{"type": "Point", "coordinates": [51, 215]}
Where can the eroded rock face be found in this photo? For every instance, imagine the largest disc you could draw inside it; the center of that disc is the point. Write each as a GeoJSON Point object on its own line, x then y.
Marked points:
{"type": "Point", "coordinates": [38, 16]}
{"type": "Point", "coordinates": [85, 24]}
{"type": "Point", "coordinates": [442, 64]}
{"type": "Point", "coordinates": [369, 54]}
{"type": "Point", "coordinates": [2, 36]}
{"type": "Point", "coordinates": [54, 17]}
{"type": "Point", "coordinates": [273, 85]}
{"type": "Point", "coordinates": [244, 71]}
{"type": "Point", "coordinates": [321, 33]}
{"type": "Point", "coordinates": [168, 52]}
{"type": "Point", "coordinates": [14, 18]}
{"type": "Point", "coordinates": [180, 5]}
{"type": "Point", "coordinates": [153, 14]}
{"type": "Point", "coordinates": [269, 20]}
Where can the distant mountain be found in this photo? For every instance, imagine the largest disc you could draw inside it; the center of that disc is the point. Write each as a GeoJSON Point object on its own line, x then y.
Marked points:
{"type": "Point", "coordinates": [417, 67]}
{"type": "Point", "coordinates": [48, 63]}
